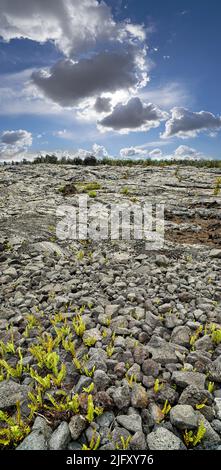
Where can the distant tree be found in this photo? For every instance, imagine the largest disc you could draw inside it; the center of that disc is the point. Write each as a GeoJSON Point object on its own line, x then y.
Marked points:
{"type": "Point", "coordinates": [77, 161]}
{"type": "Point", "coordinates": [90, 160]}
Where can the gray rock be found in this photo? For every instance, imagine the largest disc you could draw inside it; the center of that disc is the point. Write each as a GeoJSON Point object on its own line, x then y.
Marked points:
{"type": "Point", "coordinates": [92, 334]}
{"type": "Point", "coordinates": [138, 441]}
{"type": "Point", "coordinates": [83, 382]}
{"type": "Point", "coordinates": [131, 423]}
{"type": "Point", "coordinates": [77, 425]}
{"type": "Point", "coordinates": [34, 441]}
{"type": "Point", "coordinates": [101, 379]}
{"type": "Point", "coordinates": [139, 397]}
{"type": "Point", "coordinates": [181, 335]}
{"type": "Point", "coordinates": [218, 407]}
{"type": "Point", "coordinates": [105, 419]}
{"type": "Point", "coordinates": [162, 439]}
{"type": "Point", "coordinates": [183, 379]}
{"type": "Point", "coordinates": [74, 446]}
{"type": "Point", "coordinates": [150, 367]}
{"type": "Point", "coordinates": [192, 395]}
{"type": "Point", "coordinates": [11, 392]}
{"type": "Point", "coordinates": [211, 438]}
{"type": "Point", "coordinates": [121, 396]}
{"type": "Point", "coordinates": [204, 343]}
{"type": "Point", "coordinates": [183, 417]}
{"type": "Point", "coordinates": [41, 425]}
{"type": "Point", "coordinates": [60, 437]}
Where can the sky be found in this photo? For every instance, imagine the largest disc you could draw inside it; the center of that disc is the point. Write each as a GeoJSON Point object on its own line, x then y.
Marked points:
{"type": "Point", "coordinates": [118, 78]}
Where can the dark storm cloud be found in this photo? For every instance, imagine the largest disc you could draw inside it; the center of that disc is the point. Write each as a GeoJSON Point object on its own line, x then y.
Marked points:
{"type": "Point", "coordinates": [102, 105]}
{"type": "Point", "coordinates": [69, 82]}
{"type": "Point", "coordinates": [134, 115]}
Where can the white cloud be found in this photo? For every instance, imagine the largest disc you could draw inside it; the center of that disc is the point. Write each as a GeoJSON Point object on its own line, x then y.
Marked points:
{"type": "Point", "coordinates": [184, 123]}
{"type": "Point", "coordinates": [133, 116]}
{"type": "Point", "coordinates": [133, 153]}
{"type": "Point", "coordinates": [99, 151]}
{"type": "Point", "coordinates": [183, 152]}
{"type": "Point", "coordinates": [75, 26]}
{"type": "Point", "coordinates": [14, 143]}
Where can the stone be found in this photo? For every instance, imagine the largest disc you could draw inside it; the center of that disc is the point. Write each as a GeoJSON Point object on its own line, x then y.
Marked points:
{"type": "Point", "coordinates": [162, 260]}
{"type": "Point", "coordinates": [162, 439]}
{"type": "Point", "coordinates": [92, 334]}
{"type": "Point", "coordinates": [204, 343]}
{"type": "Point", "coordinates": [139, 397]}
{"type": "Point", "coordinates": [138, 441]}
{"type": "Point", "coordinates": [156, 413]}
{"type": "Point", "coordinates": [111, 310]}
{"type": "Point", "coordinates": [211, 438]}
{"type": "Point", "coordinates": [101, 379]}
{"type": "Point", "coordinates": [140, 354]}
{"type": "Point", "coordinates": [34, 441]}
{"type": "Point", "coordinates": [181, 335]}
{"type": "Point", "coordinates": [77, 425]}
{"type": "Point", "coordinates": [217, 402]}
{"type": "Point", "coordinates": [41, 425]}
{"type": "Point", "coordinates": [121, 396]}
{"type": "Point", "coordinates": [183, 379]}
{"type": "Point", "coordinates": [150, 367]}
{"type": "Point", "coordinates": [105, 419]}
{"type": "Point", "coordinates": [11, 392]}
{"type": "Point", "coordinates": [131, 423]}
{"type": "Point", "coordinates": [183, 417]}
{"type": "Point", "coordinates": [192, 395]}
{"type": "Point", "coordinates": [60, 437]}
{"type": "Point", "coordinates": [83, 382]}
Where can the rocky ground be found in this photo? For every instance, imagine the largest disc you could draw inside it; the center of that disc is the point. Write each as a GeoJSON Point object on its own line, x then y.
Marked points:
{"type": "Point", "coordinates": [107, 344]}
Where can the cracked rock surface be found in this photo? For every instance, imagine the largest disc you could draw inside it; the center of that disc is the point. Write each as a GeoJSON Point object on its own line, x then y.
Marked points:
{"type": "Point", "coordinates": [150, 352]}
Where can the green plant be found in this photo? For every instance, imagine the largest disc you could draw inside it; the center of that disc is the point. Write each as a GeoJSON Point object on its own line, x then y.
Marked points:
{"type": "Point", "coordinates": [157, 386]}
{"type": "Point", "coordinates": [124, 443]}
{"type": "Point", "coordinates": [110, 347]}
{"type": "Point", "coordinates": [13, 371]}
{"type": "Point", "coordinates": [8, 347]}
{"type": "Point", "coordinates": [91, 186]}
{"type": "Point", "coordinates": [45, 382]}
{"type": "Point", "coordinates": [89, 341]}
{"type": "Point", "coordinates": [125, 190]}
{"type": "Point", "coordinates": [217, 186]}
{"type": "Point", "coordinates": [132, 379]}
{"type": "Point", "coordinates": [79, 325]}
{"type": "Point", "coordinates": [16, 429]}
{"type": "Point", "coordinates": [166, 408]}
{"type": "Point", "coordinates": [80, 255]}
{"type": "Point", "coordinates": [210, 387]}
{"type": "Point", "coordinates": [92, 410]}
{"type": "Point", "coordinates": [195, 336]}
{"type": "Point", "coordinates": [92, 193]}
{"type": "Point", "coordinates": [89, 389]}
{"type": "Point", "coordinates": [94, 443]}
{"type": "Point", "coordinates": [216, 335]}
{"type": "Point", "coordinates": [192, 439]}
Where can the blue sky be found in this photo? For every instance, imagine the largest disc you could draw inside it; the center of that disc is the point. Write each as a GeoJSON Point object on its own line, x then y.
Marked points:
{"type": "Point", "coordinates": [130, 78]}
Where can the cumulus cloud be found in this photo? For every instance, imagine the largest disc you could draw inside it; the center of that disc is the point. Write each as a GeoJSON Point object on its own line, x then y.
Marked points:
{"type": "Point", "coordinates": [13, 143]}
{"type": "Point", "coordinates": [134, 115]}
{"type": "Point", "coordinates": [133, 153]}
{"type": "Point", "coordinates": [102, 104]}
{"type": "Point", "coordinates": [68, 82]}
{"type": "Point", "coordinates": [184, 123]}
{"type": "Point", "coordinates": [156, 154]}
{"type": "Point", "coordinates": [99, 151]}
{"type": "Point", "coordinates": [183, 152]}
{"type": "Point", "coordinates": [74, 26]}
